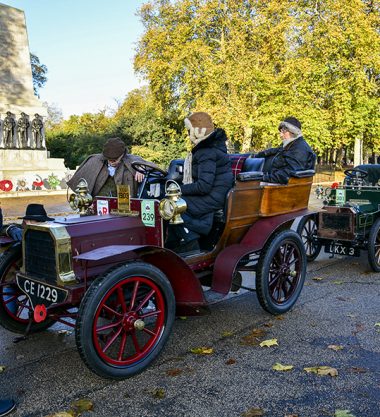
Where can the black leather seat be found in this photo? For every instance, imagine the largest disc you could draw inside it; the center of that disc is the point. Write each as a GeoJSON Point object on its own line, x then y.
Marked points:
{"type": "Point", "coordinates": [253, 164]}
{"type": "Point", "coordinates": [175, 170]}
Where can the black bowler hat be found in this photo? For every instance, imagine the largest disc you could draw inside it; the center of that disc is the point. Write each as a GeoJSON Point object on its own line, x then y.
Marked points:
{"type": "Point", "coordinates": [37, 213]}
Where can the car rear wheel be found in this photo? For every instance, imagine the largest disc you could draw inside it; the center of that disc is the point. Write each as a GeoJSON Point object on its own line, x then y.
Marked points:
{"type": "Point", "coordinates": [307, 229]}
{"type": "Point", "coordinates": [374, 246]}
{"type": "Point", "coordinates": [281, 272]}
{"type": "Point", "coordinates": [124, 320]}
{"type": "Point", "coordinates": [14, 304]}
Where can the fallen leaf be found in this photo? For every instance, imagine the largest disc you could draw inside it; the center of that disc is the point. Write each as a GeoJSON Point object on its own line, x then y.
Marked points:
{"type": "Point", "coordinates": [317, 279]}
{"type": "Point", "coordinates": [230, 361]}
{"type": "Point", "coordinates": [60, 414]}
{"type": "Point", "coordinates": [269, 343]}
{"type": "Point", "coordinates": [343, 413]}
{"type": "Point", "coordinates": [335, 347]}
{"type": "Point", "coordinates": [227, 334]}
{"type": "Point", "coordinates": [2, 369]}
{"type": "Point", "coordinates": [174, 372]}
{"type": "Point", "coordinates": [182, 317]}
{"type": "Point", "coordinates": [322, 370]}
{"type": "Point", "coordinates": [279, 367]}
{"type": "Point", "coordinates": [342, 299]}
{"type": "Point", "coordinates": [64, 332]}
{"type": "Point", "coordinates": [358, 328]}
{"type": "Point", "coordinates": [280, 318]}
{"type": "Point", "coordinates": [337, 282]}
{"type": "Point", "coordinates": [81, 405]}
{"type": "Point", "coordinates": [253, 412]}
{"type": "Point", "coordinates": [252, 339]}
{"type": "Point", "coordinates": [291, 415]}
{"type": "Point", "coordinates": [357, 370]}
{"type": "Point", "coordinates": [269, 324]}
{"type": "Point", "coordinates": [353, 316]}
{"type": "Point", "coordinates": [377, 324]}
{"type": "Point", "coordinates": [202, 350]}
{"type": "Point", "coordinates": [159, 393]}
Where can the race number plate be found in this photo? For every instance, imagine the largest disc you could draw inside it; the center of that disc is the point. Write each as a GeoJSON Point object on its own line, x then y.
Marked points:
{"type": "Point", "coordinates": [341, 249]}
{"type": "Point", "coordinates": [40, 292]}
{"type": "Point", "coordinates": [148, 216]}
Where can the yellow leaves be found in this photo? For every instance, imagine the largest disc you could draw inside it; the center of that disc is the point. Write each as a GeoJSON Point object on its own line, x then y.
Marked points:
{"type": "Point", "coordinates": [337, 282]}
{"type": "Point", "coordinates": [77, 408]}
{"type": "Point", "coordinates": [81, 405]}
{"type": "Point", "coordinates": [279, 367]}
{"type": "Point", "coordinates": [269, 343]}
{"type": "Point", "coordinates": [343, 413]}
{"type": "Point", "coordinates": [202, 350]}
{"type": "Point", "coordinates": [377, 324]}
{"type": "Point", "coordinates": [227, 334]}
{"type": "Point", "coordinates": [317, 279]}
{"type": "Point", "coordinates": [322, 370]}
{"type": "Point", "coordinates": [159, 393]}
{"type": "Point", "coordinates": [253, 412]}
{"type": "Point", "coordinates": [2, 369]}
{"type": "Point", "coordinates": [335, 347]}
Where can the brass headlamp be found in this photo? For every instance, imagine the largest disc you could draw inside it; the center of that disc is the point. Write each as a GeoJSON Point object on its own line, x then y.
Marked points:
{"type": "Point", "coordinates": [172, 205]}
{"type": "Point", "coordinates": [82, 199]}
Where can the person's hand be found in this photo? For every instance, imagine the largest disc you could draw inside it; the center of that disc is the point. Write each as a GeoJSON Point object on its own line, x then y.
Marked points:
{"type": "Point", "coordinates": [139, 177]}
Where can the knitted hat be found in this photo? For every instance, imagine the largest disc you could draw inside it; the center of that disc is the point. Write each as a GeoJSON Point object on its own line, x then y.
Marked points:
{"type": "Point", "coordinates": [113, 148]}
{"type": "Point", "coordinates": [291, 124]}
{"type": "Point", "coordinates": [37, 213]}
{"type": "Point", "coordinates": [199, 125]}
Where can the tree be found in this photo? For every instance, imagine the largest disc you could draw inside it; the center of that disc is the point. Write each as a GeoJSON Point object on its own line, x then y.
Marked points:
{"type": "Point", "coordinates": [54, 117]}
{"type": "Point", "coordinates": [39, 72]}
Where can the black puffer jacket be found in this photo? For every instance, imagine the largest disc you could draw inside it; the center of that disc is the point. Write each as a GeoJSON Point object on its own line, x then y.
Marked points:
{"type": "Point", "coordinates": [212, 178]}
{"type": "Point", "coordinates": [282, 161]}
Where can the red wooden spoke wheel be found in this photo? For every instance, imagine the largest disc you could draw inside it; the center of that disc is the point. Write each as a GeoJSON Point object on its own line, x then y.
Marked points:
{"type": "Point", "coordinates": [124, 320]}
{"type": "Point", "coordinates": [15, 306]}
{"type": "Point", "coordinates": [281, 272]}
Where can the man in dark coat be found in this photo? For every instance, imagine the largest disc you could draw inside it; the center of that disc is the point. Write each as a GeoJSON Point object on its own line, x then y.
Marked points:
{"type": "Point", "coordinates": [207, 179]}
{"type": "Point", "coordinates": [295, 154]}
{"type": "Point", "coordinates": [106, 170]}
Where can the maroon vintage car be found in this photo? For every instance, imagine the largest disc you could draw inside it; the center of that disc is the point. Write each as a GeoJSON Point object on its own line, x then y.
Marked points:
{"type": "Point", "coordinates": [110, 277]}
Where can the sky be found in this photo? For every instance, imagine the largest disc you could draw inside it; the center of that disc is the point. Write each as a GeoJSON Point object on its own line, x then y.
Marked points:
{"type": "Point", "coordinates": [88, 47]}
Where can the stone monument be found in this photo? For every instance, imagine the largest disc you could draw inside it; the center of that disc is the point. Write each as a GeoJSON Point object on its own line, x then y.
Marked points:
{"type": "Point", "coordinates": [24, 161]}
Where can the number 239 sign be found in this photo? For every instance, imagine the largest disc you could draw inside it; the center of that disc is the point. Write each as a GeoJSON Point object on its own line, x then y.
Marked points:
{"type": "Point", "coordinates": [148, 216]}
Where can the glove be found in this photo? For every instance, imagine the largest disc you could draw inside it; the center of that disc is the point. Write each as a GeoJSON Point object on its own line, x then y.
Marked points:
{"type": "Point", "coordinates": [14, 232]}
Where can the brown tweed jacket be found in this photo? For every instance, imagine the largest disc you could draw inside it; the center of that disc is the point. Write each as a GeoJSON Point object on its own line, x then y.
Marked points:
{"type": "Point", "coordinates": [94, 171]}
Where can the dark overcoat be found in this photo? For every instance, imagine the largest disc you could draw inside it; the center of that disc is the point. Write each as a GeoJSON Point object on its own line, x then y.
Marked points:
{"type": "Point", "coordinates": [283, 161]}
{"type": "Point", "coordinates": [212, 178]}
{"type": "Point", "coordinates": [94, 170]}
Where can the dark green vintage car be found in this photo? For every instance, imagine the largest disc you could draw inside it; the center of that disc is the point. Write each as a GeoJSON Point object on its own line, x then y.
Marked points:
{"type": "Point", "coordinates": [349, 221]}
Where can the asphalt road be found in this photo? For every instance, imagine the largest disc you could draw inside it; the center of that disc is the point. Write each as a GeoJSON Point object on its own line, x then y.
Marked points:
{"type": "Point", "coordinates": [339, 305]}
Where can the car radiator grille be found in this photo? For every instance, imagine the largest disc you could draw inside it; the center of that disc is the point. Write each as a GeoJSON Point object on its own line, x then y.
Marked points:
{"type": "Point", "coordinates": [40, 260]}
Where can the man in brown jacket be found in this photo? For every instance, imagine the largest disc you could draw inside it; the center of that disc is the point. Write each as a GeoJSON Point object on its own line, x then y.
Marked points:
{"type": "Point", "coordinates": [106, 170]}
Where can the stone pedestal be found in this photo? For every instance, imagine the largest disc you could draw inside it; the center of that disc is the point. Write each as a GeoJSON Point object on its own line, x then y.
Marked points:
{"type": "Point", "coordinates": [27, 170]}
{"type": "Point", "coordinates": [16, 82]}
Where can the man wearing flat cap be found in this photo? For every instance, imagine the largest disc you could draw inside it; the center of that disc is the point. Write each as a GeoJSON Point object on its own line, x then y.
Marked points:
{"type": "Point", "coordinates": [294, 155]}
{"type": "Point", "coordinates": [103, 172]}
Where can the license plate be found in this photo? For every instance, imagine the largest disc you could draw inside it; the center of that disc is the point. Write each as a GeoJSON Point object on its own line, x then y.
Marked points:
{"type": "Point", "coordinates": [340, 249]}
{"type": "Point", "coordinates": [40, 292]}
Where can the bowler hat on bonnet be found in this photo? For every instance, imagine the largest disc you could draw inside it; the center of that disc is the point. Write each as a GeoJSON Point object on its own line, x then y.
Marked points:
{"type": "Point", "coordinates": [37, 213]}
{"type": "Point", "coordinates": [113, 148]}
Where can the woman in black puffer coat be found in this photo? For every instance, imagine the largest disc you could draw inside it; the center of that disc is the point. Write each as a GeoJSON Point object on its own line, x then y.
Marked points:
{"type": "Point", "coordinates": [207, 179]}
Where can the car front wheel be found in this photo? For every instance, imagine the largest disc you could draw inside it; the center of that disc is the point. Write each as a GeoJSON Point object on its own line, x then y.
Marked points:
{"type": "Point", "coordinates": [124, 320]}
{"type": "Point", "coordinates": [374, 246]}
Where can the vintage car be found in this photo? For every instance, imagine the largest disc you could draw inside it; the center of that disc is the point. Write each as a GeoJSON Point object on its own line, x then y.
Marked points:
{"type": "Point", "coordinates": [110, 277]}
{"type": "Point", "coordinates": [350, 218]}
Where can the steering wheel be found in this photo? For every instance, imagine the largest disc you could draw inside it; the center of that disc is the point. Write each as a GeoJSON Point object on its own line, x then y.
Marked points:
{"type": "Point", "coordinates": [356, 173]}
{"type": "Point", "coordinates": [149, 170]}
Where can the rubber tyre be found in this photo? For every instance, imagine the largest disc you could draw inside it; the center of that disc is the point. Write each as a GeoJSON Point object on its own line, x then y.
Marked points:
{"type": "Point", "coordinates": [307, 229]}
{"type": "Point", "coordinates": [94, 307]}
{"type": "Point", "coordinates": [267, 263]}
{"type": "Point", "coordinates": [374, 246]}
{"type": "Point", "coordinates": [10, 319]}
